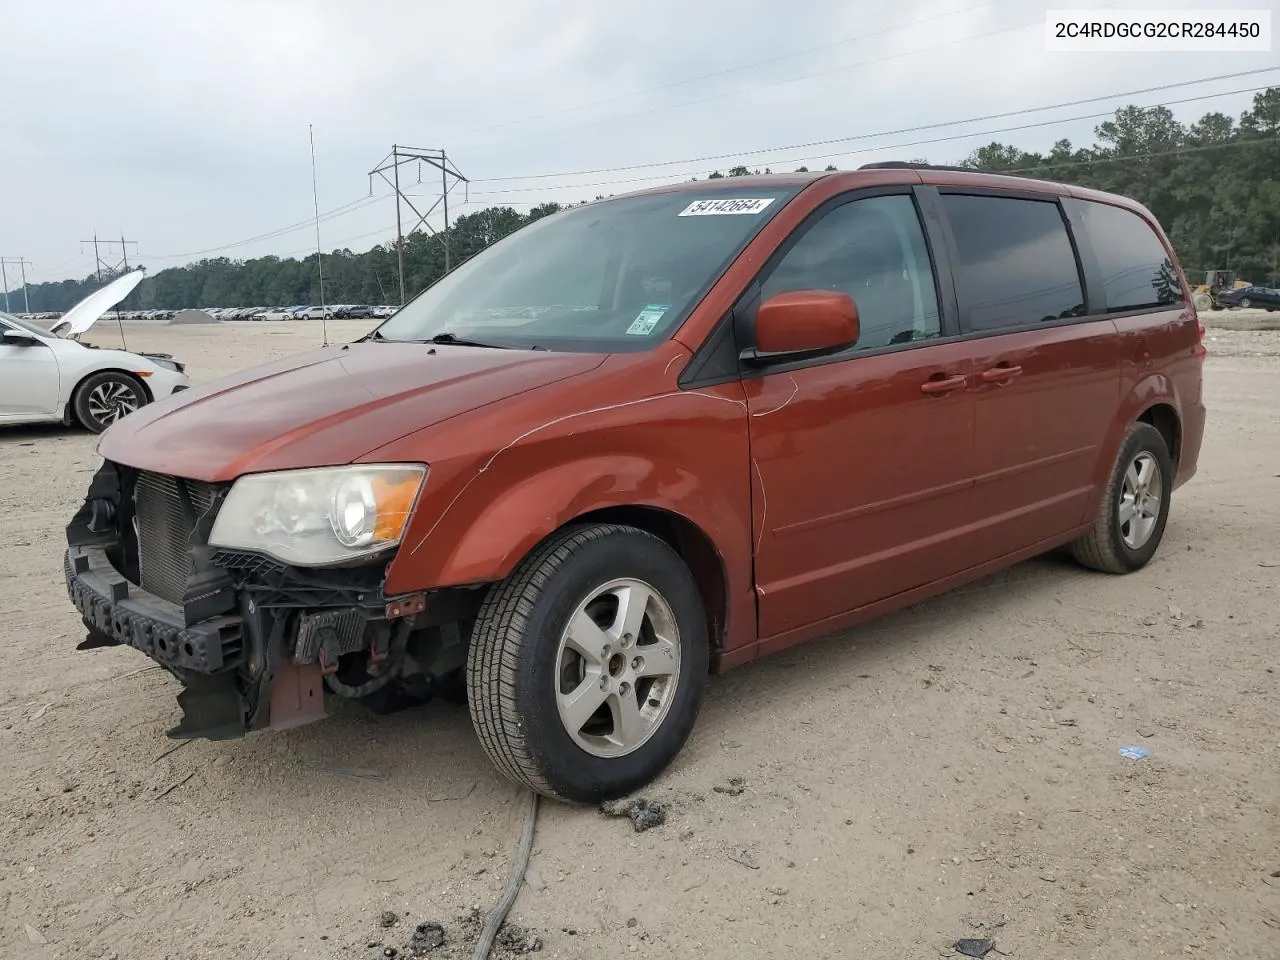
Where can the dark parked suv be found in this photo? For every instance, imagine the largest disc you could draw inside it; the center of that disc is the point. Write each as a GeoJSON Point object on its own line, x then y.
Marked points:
{"type": "Point", "coordinates": [645, 439]}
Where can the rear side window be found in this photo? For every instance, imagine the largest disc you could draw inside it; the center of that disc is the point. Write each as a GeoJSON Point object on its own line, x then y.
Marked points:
{"type": "Point", "coordinates": [873, 250]}
{"type": "Point", "coordinates": [1016, 266]}
{"type": "Point", "coordinates": [1136, 270]}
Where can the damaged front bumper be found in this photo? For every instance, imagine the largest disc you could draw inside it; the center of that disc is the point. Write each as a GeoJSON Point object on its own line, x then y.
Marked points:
{"type": "Point", "coordinates": [122, 613]}
{"type": "Point", "coordinates": [231, 681]}
{"type": "Point", "coordinates": [255, 643]}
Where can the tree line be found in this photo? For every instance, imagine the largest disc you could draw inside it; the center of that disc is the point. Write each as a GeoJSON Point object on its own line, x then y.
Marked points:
{"type": "Point", "coordinates": [1213, 184]}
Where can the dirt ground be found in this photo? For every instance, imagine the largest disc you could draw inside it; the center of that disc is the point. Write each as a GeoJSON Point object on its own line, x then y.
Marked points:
{"type": "Point", "coordinates": [952, 771]}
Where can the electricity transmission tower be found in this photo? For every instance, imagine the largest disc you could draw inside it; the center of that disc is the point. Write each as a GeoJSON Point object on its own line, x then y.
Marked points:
{"type": "Point", "coordinates": [4, 281]}
{"type": "Point", "coordinates": [110, 268]}
{"type": "Point", "coordinates": [450, 177]}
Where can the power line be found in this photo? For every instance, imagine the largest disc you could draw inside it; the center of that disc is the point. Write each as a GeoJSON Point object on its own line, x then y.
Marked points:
{"type": "Point", "coordinates": [364, 202]}
{"type": "Point", "coordinates": [778, 83]}
{"type": "Point", "coordinates": [885, 133]}
{"type": "Point", "coordinates": [874, 149]}
{"type": "Point", "coordinates": [337, 244]}
{"type": "Point", "coordinates": [738, 69]}
{"type": "Point", "coordinates": [1252, 142]}
{"type": "Point", "coordinates": [333, 214]}
{"type": "Point", "coordinates": [58, 268]}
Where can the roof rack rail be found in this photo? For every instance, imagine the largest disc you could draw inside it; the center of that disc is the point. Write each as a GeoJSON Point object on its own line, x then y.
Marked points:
{"type": "Point", "coordinates": [904, 165]}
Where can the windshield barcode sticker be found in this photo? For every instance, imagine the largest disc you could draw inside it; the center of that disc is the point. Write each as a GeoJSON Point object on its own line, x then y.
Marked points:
{"type": "Point", "coordinates": [721, 208]}
{"type": "Point", "coordinates": [643, 325]}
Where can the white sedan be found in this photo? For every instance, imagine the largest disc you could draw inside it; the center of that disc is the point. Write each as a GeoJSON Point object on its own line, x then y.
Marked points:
{"type": "Point", "coordinates": [47, 379]}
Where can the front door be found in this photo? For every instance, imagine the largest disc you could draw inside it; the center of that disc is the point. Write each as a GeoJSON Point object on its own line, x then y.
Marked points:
{"type": "Point", "coordinates": [28, 379]}
{"type": "Point", "coordinates": [861, 463]}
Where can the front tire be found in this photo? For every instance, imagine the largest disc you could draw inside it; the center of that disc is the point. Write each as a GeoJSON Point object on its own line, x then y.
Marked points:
{"type": "Point", "coordinates": [106, 397]}
{"type": "Point", "coordinates": [588, 665]}
{"type": "Point", "coordinates": [1134, 508]}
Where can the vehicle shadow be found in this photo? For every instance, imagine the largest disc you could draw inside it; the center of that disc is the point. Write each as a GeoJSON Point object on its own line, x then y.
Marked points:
{"type": "Point", "coordinates": [26, 434]}
{"type": "Point", "coordinates": [432, 749]}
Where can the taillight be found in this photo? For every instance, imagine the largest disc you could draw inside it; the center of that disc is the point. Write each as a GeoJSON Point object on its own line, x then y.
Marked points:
{"type": "Point", "coordinates": [1201, 350]}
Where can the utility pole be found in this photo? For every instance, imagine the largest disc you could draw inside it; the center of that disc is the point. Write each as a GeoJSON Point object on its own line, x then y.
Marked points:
{"type": "Point", "coordinates": [444, 195]}
{"type": "Point", "coordinates": [22, 267]}
{"type": "Point", "coordinates": [450, 177]}
{"type": "Point", "coordinates": [4, 281]}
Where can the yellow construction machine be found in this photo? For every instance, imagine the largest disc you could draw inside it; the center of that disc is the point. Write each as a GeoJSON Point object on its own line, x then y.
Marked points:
{"type": "Point", "coordinates": [1205, 296]}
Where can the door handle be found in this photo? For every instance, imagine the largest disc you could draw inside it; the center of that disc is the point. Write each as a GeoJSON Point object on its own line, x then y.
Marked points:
{"type": "Point", "coordinates": [996, 374]}
{"type": "Point", "coordinates": [943, 386]}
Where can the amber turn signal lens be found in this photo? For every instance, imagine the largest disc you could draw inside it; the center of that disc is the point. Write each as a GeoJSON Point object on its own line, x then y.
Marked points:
{"type": "Point", "coordinates": [394, 499]}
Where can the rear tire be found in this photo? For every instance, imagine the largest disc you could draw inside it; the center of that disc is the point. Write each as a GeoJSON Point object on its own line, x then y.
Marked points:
{"type": "Point", "coordinates": [587, 666]}
{"type": "Point", "coordinates": [1134, 508]}
{"type": "Point", "coordinates": [106, 397]}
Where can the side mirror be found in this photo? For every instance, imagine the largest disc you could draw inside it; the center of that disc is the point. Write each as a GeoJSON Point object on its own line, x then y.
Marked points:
{"type": "Point", "coordinates": [19, 338]}
{"type": "Point", "coordinates": [805, 322]}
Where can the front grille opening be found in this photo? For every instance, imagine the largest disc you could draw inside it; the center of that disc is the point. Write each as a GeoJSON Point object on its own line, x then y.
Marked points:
{"type": "Point", "coordinates": [164, 525]}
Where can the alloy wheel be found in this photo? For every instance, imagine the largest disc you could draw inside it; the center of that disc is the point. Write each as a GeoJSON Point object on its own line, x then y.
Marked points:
{"type": "Point", "coordinates": [1139, 504]}
{"type": "Point", "coordinates": [617, 667]}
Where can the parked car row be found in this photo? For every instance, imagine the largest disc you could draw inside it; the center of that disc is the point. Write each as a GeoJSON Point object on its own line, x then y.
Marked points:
{"type": "Point", "coordinates": [49, 317]}
{"type": "Point", "coordinates": [337, 311]}
{"type": "Point", "coordinates": [341, 311]}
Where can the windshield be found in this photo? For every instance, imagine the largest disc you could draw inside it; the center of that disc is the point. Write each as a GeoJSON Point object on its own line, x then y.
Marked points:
{"type": "Point", "coordinates": [612, 276]}
{"type": "Point", "coordinates": [23, 325]}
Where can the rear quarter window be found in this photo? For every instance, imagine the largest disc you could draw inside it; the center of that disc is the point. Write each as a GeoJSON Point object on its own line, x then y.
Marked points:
{"type": "Point", "coordinates": [1137, 272]}
{"type": "Point", "coordinates": [1015, 265]}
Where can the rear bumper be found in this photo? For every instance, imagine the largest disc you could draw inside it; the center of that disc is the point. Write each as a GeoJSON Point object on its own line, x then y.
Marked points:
{"type": "Point", "coordinates": [123, 613]}
{"type": "Point", "coordinates": [1192, 439]}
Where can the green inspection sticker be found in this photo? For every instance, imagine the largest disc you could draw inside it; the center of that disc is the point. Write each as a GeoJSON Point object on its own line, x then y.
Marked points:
{"type": "Point", "coordinates": [647, 319]}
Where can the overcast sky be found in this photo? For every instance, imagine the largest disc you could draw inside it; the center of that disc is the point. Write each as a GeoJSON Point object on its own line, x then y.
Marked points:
{"type": "Point", "coordinates": [184, 125]}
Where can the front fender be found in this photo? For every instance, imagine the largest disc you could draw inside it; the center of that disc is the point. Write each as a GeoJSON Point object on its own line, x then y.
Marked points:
{"type": "Point", "coordinates": [527, 512]}
{"type": "Point", "coordinates": [504, 479]}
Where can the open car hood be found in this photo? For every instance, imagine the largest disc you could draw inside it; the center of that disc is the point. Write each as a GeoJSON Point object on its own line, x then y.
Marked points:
{"type": "Point", "coordinates": [86, 313]}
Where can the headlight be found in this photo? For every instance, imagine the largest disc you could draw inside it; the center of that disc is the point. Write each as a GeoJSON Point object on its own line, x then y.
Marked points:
{"type": "Point", "coordinates": [313, 518]}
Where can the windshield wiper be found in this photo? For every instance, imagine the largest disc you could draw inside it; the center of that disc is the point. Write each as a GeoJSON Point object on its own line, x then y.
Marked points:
{"type": "Point", "coordinates": [458, 341]}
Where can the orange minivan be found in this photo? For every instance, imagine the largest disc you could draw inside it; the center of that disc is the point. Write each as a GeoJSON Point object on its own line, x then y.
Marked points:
{"type": "Point", "coordinates": [649, 438]}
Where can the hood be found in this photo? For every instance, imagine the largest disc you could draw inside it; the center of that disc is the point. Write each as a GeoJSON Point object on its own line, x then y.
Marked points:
{"type": "Point", "coordinates": [85, 314]}
{"type": "Point", "coordinates": [325, 408]}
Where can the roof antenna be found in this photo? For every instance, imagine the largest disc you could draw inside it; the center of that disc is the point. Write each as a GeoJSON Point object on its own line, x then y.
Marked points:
{"type": "Point", "coordinates": [315, 196]}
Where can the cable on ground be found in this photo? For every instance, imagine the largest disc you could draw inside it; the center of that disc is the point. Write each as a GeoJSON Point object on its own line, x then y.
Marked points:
{"type": "Point", "coordinates": [498, 914]}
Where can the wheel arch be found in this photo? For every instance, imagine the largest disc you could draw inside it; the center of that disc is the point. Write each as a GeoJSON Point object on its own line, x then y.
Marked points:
{"type": "Point", "coordinates": [1163, 415]}
{"type": "Point", "coordinates": [694, 547]}
{"type": "Point", "coordinates": [69, 411]}
{"type": "Point", "coordinates": [497, 518]}
{"type": "Point", "coordinates": [1153, 400]}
